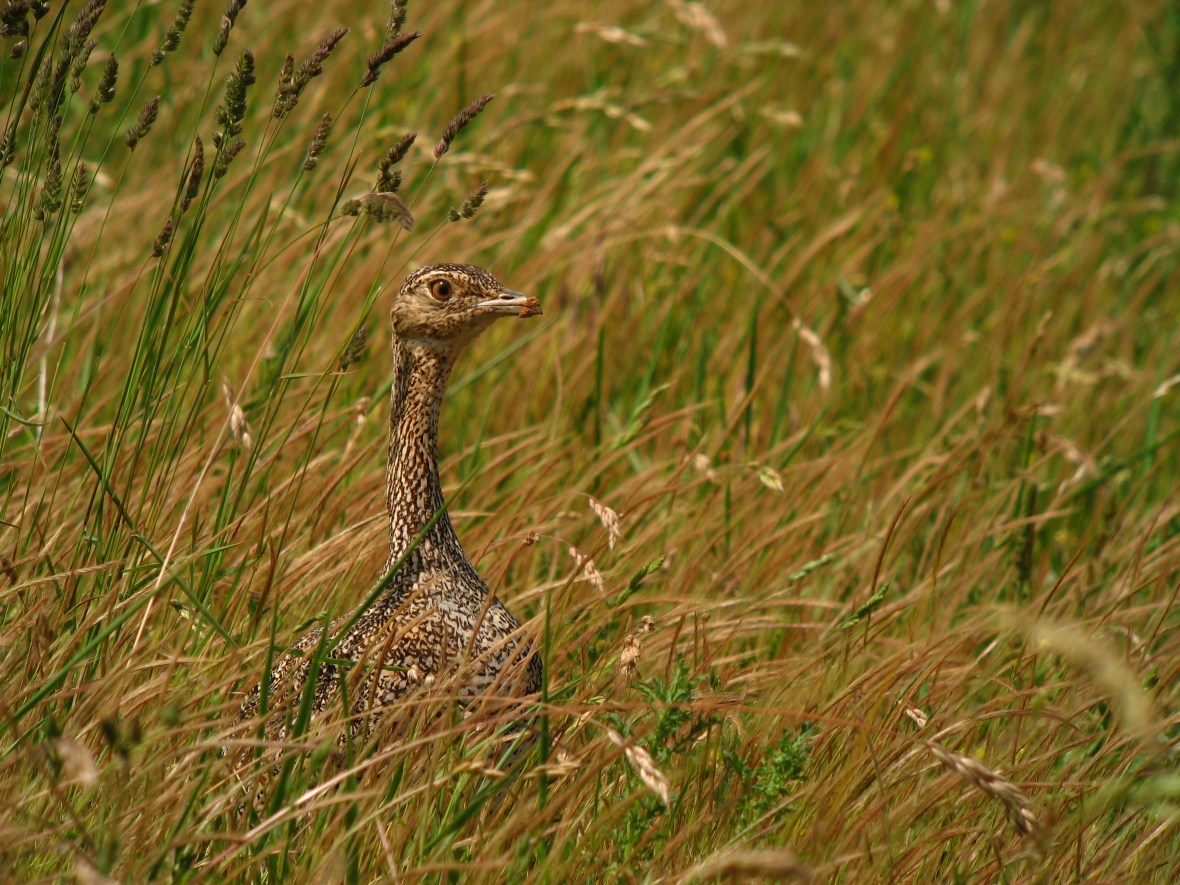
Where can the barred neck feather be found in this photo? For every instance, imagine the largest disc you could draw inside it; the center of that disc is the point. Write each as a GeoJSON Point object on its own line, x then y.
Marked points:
{"type": "Point", "coordinates": [413, 492]}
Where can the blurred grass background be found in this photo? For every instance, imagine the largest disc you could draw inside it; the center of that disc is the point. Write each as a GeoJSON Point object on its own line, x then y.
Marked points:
{"type": "Point", "coordinates": [862, 318]}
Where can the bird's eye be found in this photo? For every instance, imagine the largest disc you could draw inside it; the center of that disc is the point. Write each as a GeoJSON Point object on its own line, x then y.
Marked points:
{"type": "Point", "coordinates": [441, 290]}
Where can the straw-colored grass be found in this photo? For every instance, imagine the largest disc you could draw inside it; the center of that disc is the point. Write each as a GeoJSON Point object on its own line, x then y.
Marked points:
{"type": "Point", "coordinates": [854, 401]}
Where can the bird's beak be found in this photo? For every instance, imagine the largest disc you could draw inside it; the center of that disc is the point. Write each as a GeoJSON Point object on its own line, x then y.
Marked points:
{"type": "Point", "coordinates": [511, 302]}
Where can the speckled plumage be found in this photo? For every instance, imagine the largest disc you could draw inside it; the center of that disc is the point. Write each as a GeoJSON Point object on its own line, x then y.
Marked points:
{"type": "Point", "coordinates": [437, 616]}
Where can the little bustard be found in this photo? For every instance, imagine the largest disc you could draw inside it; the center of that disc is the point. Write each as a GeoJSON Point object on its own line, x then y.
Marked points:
{"type": "Point", "coordinates": [435, 616]}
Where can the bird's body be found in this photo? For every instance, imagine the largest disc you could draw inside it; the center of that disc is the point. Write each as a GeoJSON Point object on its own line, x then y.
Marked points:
{"type": "Point", "coordinates": [435, 616]}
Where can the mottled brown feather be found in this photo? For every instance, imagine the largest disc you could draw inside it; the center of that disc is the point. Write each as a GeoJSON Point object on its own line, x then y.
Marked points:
{"type": "Point", "coordinates": [437, 616]}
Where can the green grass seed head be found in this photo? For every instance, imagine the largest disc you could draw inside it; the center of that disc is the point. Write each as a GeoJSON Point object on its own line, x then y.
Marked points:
{"type": "Point", "coordinates": [143, 123]}
{"type": "Point", "coordinates": [459, 122]}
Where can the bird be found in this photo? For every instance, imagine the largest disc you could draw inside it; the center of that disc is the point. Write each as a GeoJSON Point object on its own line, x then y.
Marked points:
{"type": "Point", "coordinates": [431, 615]}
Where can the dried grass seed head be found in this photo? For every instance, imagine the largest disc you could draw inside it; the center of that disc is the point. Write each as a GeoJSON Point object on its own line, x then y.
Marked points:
{"type": "Point", "coordinates": [586, 570]}
{"type": "Point", "coordinates": [771, 865]}
{"type": "Point", "coordinates": [696, 17]}
{"type": "Point", "coordinates": [609, 519]}
{"type": "Point", "coordinates": [1104, 665]}
{"type": "Point", "coordinates": [239, 426]}
{"type": "Point", "coordinates": [75, 761]}
{"type": "Point", "coordinates": [644, 766]}
{"type": "Point", "coordinates": [820, 354]}
{"type": "Point", "coordinates": [993, 784]}
{"type": "Point", "coordinates": [632, 646]}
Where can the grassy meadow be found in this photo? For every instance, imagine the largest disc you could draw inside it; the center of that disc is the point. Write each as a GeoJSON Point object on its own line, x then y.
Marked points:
{"type": "Point", "coordinates": [838, 481]}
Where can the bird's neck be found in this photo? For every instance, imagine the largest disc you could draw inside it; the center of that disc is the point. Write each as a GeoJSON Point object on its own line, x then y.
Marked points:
{"type": "Point", "coordinates": [413, 491]}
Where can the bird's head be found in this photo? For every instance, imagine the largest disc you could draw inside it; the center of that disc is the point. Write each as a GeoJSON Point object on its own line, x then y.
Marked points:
{"type": "Point", "coordinates": [447, 305]}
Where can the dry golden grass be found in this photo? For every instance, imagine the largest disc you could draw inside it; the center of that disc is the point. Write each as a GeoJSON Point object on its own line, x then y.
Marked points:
{"type": "Point", "coordinates": [857, 377]}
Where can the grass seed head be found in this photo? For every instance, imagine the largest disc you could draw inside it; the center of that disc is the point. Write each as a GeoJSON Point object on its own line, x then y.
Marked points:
{"type": "Point", "coordinates": [771, 865]}
{"type": "Point", "coordinates": [79, 186]}
{"type": "Point", "coordinates": [294, 78]}
{"type": "Point", "coordinates": [8, 147]}
{"type": "Point", "coordinates": [88, 874]}
{"type": "Point", "coordinates": [163, 238]}
{"type": "Point", "coordinates": [471, 204]}
{"type": "Point", "coordinates": [388, 178]}
{"type": "Point", "coordinates": [227, 24]}
{"type": "Point", "coordinates": [171, 41]}
{"type": "Point", "coordinates": [819, 353]}
{"type": "Point", "coordinates": [397, 18]}
{"type": "Point", "coordinates": [459, 121]}
{"type": "Point", "coordinates": [143, 124]}
{"type": "Point", "coordinates": [380, 207]}
{"type": "Point", "coordinates": [50, 200]}
{"type": "Point", "coordinates": [106, 85]}
{"type": "Point", "coordinates": [238, 424]}
{"type": "Point", "coordinates": [195, 174]}
{"type": "Point", "coordinates": [355, 351]}
{"type": "Point", "coordinates": [319, 138]}
{"type": "Point", "coordinates": [78, 34]}
{"type": "Point", "coordinates": [76, 762]}
{"type": "Point", "coordinates": [79, 65]}
{"type": "Point", "coordinates": [360, 411]}
{"type": "Point", "coordinates": [14, 18]}
{"type": "Point", "coordinates": [226, 155]}
{"type": "Point", "coordinates": [993, 784]}
{"type": "Point", "coordinates": [696, 17]}
{"type": "Point", "coordinates": [609, 519]}
{"type": "Point", "coordinates": [632, 646]}
{"type": "Point", "coordinates": [1104, 665]}
{"type": "Point", "coordinates": [644, 766]}
{"type": "Point", "coordinates": [229, 115]}
{"type": "Point", "coordinates": [585, 570]}
{"type": "Point", "coordinates": [49, 90]}
{"type": "Point", "coordinates": [391, 47]}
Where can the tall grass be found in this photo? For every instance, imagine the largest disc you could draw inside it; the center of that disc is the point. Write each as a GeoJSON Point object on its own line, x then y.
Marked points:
{"type": "Point", "coordinates": [838, 480]}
